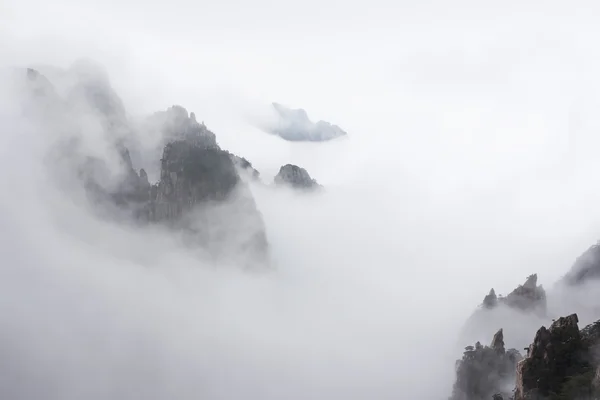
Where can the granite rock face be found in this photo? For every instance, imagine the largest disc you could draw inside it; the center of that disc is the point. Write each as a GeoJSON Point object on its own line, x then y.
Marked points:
{"type": "Point", "coordinates": [201, 192]}
{"type": "Point", "coordinates": [294, 125]}
{"type": "Point", "coordinates": [486, 372]}
{"type": "Point", "coordinates": [550, 359]}
{"type": "Point", "coordinates": [295, 177]}
{"type": "Point", "coordinates": [562, 363]}
{"type": "Point", "coordinates": [191, 175]}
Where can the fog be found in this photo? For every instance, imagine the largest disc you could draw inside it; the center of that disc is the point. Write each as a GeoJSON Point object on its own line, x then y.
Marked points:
{"type": "Point", "coordinates": [470, 163]}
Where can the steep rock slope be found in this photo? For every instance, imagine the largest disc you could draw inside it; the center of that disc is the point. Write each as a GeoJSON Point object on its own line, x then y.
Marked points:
{"type": "Point", "coordinates": [200, 190]}
{"type": "Point", "coordinates": [562, 363]}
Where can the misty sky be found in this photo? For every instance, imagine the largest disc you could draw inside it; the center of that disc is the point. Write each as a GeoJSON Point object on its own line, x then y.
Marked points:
{"type": "Point", "coordinates": [471, 163]}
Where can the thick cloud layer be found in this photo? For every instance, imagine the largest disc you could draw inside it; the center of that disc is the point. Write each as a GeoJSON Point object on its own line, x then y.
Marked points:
{"type": "Point", "coordinates": [471, 164]}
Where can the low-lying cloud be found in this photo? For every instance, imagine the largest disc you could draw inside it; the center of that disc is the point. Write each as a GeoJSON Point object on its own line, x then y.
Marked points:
{"type": "Point", "coordinates": [440, 193]}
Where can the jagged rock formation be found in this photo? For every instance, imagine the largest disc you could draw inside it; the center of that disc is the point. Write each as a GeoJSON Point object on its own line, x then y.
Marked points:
{"type": "Point", "coordinates": [562, 363]}
{"type": "Point", "coordinates": [294, 125]}
{"type": "Point", "coordinates": [586, 268]}
{"type": "Point", "coordinates": [485, 371]}
{"type": "Point", "coordinates": [199, 191]}
{"type": "Point", "coordinates": [526, 297]}
{"type": "Point", "coordinates": [175, 124]}
{"type": "Point", "coordinates": [491, 300]}
{"type": "Point", "coordinates": [191, 175]}
{"type": "Point", "coordinates": [296, 177]}
{"type": "Point", "coordinates": [195, 175]}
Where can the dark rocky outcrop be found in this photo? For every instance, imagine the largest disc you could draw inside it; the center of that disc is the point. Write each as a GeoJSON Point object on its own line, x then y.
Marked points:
{"type": "Point", "coordinates": [586, 268]}
{"type": "Point", "coordinates": [562, 363]}
{"type": "Point", "coordinates": [485, 371]}
{"type": "Point", "coordinates": [296, 177]}
{"type": "Point", "coordinates": [527, 297]}
{"type": "Point", "coordinates": [294, 125]}
{"type": "Point", "coordinates": [191, 175]}
{"type": "Point", "coordinates": [199, 191]}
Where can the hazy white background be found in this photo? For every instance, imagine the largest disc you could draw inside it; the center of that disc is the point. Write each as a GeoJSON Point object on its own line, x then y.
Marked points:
{"type": "Point", "coordinates": [471, 162]}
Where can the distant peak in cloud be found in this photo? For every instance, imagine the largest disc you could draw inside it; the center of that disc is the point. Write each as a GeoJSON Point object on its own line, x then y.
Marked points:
{"type": "Point", "coordinates": [526, 297]}
{"type": "Point", "coordinates": [199, 191]}
{"type": "Point", "coordinates": [295, 126]}
{"type": "Point", "coordinates": [296, 177]}
{"type": "Point", "coordinates": [586, 267]}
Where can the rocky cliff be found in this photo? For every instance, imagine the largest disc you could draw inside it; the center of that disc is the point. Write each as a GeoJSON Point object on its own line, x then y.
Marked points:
{"type": "Point", "coordinates": [485, 371]}
{"type": "Point", "coordinates": [199, 190]}
{"type": "Point", "coordinates": [562, 363]}
{"type": "Point", "coordinates": [520, 313]}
